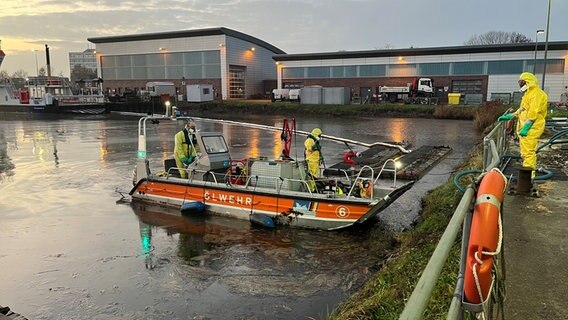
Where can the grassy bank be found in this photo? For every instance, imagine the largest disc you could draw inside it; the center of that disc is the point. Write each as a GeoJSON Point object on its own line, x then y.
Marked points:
{"type": "Point", "coordinates": [355, 110]}
{"type": "Point", "coordinates": [352, 110]}
{"type": "Point", "coordinates": [384, 296]}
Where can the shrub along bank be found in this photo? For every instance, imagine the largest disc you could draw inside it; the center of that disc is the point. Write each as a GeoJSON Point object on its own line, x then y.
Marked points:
{"type": "Point", "coordinates": [352, 110]}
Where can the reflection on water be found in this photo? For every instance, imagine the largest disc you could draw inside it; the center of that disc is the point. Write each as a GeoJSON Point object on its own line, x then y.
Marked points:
{"type": "Point", "coordinates": [6, 164]}
{"type": "Point", "coordinates": [241, 256]}
{"type": "Point", "coordinates": [69, 252]}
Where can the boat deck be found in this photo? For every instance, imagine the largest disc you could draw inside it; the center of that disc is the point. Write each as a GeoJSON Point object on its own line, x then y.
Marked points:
{"type": "Point", "coordinates": [411, 166]}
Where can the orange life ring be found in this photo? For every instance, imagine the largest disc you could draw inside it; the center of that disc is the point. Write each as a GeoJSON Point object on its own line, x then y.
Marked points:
{"type": "Point", "coordinates": [484, 237]}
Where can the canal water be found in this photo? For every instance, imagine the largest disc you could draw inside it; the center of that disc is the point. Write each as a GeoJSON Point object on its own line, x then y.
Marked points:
{"type": "Point", "coordinates": [74, 248]}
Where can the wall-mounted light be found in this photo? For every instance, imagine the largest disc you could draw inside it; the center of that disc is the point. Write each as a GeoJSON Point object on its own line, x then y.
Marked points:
{"type": "Point", "coordinates": [252, 49]}
{"type": "Point", "coordinates": [221, 45]}
{"type": "Point", "coordinates": [400, 58]}
{"type": "Point", "coordinates": [277, 62]}
{"type": "Point", "coordinates": [162, 48]}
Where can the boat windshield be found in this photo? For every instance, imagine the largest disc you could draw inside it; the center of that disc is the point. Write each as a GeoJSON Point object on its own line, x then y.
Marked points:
{"type": "Point", "coordinates": [215, 144]}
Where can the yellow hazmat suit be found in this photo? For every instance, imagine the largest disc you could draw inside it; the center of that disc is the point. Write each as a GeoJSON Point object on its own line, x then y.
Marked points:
{"type": "Point", "coordinates": [313, 155]}
{"type": "Point", "coordinates": [184, 153]}
{"type": "Point", "coordinates": [533, 109]}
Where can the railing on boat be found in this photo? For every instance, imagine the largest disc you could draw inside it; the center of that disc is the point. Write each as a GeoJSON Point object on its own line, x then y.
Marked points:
{"type": "Point", "coordinates": [79, 99]}
{"type": "Point", "coordinates": [252, 180]}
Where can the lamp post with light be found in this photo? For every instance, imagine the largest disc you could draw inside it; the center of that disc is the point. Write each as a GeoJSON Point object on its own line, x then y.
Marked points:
{"type": "Point", "coordinates": [37, 72]}
{"type": "Point", "coordinates": [540, 31]}
{"type": "Point", "coordinates": [546, 44]}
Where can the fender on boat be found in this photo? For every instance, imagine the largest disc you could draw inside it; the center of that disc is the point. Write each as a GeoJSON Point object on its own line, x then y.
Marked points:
{"type": "Point", "coordinates": [484, 237]}
{"type": "Point", "coordinates": [192, 207]}
{"type": "Point", "coordinates": [262, 220]}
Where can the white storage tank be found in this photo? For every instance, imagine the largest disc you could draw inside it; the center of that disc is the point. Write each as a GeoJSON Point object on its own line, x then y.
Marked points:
{"type": "Point", "coordinates": [336, 95]}
{"type": "Point", "coordinates": [311, 95]}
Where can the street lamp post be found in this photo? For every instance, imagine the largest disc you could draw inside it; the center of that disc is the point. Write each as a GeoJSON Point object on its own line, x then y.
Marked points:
{"type": "Point", "coordinates": [37, 74]}
{"type": "Point", "coordinates": [37, 68]}
{"type": "Point", "coordinates": [546, 44]}
{"type": "Point", "coordinates": [183, 88]}
{"type": "Point", "coordinates": [540, 31]}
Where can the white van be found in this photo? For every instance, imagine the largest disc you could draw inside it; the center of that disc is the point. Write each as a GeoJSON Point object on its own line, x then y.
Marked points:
{"type": "Point", "coordinates": [294, 95]}
{"type": "Point", "coordinates": [280, 94]}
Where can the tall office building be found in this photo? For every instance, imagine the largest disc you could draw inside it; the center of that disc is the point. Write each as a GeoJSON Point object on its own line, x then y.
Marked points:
{"type": "Point", "coordinates": [86, 59]}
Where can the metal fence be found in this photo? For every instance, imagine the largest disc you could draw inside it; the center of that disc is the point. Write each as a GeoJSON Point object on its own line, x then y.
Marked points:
{"type": "Point", "coordinates": [494, 147]}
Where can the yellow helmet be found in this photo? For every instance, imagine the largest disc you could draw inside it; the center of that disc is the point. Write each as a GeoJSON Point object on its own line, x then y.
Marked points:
{"type": "Point", "coordinates": [316, 132]}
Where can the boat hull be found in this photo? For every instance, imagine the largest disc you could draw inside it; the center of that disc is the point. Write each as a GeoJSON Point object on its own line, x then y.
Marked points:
{"type": "Point", "coordinates": [297, 209]}
{"type": "Point", "coordinates": [96, 108]}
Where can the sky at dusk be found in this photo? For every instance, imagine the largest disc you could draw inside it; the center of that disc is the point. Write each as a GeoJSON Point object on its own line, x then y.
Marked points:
{"type": "Point", "coordinates": [295, 26]}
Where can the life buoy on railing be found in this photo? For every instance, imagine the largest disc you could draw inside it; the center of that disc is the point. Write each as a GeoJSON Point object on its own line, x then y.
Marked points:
{"type": "Point", "coordinates": [485, 237]}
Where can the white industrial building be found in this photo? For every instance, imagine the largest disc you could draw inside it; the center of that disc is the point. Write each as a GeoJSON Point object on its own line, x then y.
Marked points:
{"type": "Point", "coordinates": [489, 70]}
{"type": "Point", "coordinates": [87, 59]}
{"type": "Point", "coordinates": [235, 64]}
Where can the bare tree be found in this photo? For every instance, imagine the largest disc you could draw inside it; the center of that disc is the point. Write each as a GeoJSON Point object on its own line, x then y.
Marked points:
{"type": "Point", "coordinates": [20, 74]}
{"type": "Point", "coordinates": [4, 75]}
{"type": "Point", "coordinates": [497, 37]}
{"type": "Point", "coordinates": [81, 73]}
{"type": "Point", "coordinates": [42, 72]}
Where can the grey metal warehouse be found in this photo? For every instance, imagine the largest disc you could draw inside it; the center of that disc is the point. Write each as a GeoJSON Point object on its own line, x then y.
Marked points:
{"type": "Point", "coordinates": [236, 64]}
{"type": "Point", "coordinates": [489, 70]}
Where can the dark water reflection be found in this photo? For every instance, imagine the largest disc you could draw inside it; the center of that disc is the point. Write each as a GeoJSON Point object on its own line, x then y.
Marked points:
{"type": "Point", "coordinates": [70, 251]}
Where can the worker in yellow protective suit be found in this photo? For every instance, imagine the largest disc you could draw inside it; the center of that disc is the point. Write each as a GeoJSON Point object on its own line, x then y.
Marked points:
{"type": "Point", "coordinates": [531, 118]}
{"type": "Point", "coordinates": [313, 156]}
{"type": "Point", "coordinates": [185, 147]}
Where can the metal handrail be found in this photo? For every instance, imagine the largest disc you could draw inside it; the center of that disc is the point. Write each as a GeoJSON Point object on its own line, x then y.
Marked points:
{"type": "Point", "coordinates": [494, 147]}
{"type": "Point", "coordinates": [359, 177]}
{"type": "Point", "coordinates": [393, 170]}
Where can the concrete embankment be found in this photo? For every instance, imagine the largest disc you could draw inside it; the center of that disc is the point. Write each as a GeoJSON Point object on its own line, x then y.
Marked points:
{"type": "Point", "coordinates": [536, 248]}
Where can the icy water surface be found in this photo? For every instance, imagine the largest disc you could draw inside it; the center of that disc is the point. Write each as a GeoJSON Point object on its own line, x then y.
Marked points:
{"type": "Point", "coordinates": [72, 249]}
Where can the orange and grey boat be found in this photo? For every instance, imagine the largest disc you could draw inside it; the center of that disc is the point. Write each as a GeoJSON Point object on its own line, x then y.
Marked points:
{"type": "Point", "coordinates": [277, 189]}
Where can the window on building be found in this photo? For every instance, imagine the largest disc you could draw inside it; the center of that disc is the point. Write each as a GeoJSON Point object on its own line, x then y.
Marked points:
{"type": "Point", "coordinates": [401, 70]}
{"type": "Point", "coordinates": [174, 72]}
{"type": "Point", "coordinates": [466, 86]}
{"type": "Point", "coordinates": [473, 67]}
{"type": "Point", "coordinates": [155, 59]}
{"type": "Point", "coordinates": [505, 67]}
{"type": "Point", "coordinates": [212, 71]}
{"type": "Point", "coordinates": [211, 57]}
{"type": "Point", "coordinates": [193, 58]}
{"type": "Point", "coordinates": [552, 66]}
{"type": "Point", "coordinates": [337, 72]}
{"type": "Point", "coordinates": [139, 60]}
{"type": "Point", "coordinates": [350, 71]}
{"type": "Point", "coordinates": [318, 72]}
{"type": "Point", "coordinates": [434, 69]}
{"type": "Point", "coordinates": [292, 73]}
{"type": "Point", "coordinates": [373, 70]}
{"type": "Point", "coordinates": [193, 72]}
{"type": "Point", "coordinates": [123, 73]}
{"type": "Point", "coordinates": [174, 59]}
{"type": "Point", "coordinates": [108, 61]}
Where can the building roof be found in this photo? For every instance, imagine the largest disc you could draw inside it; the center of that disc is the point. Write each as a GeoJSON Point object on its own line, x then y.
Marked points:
{"type": "Point", "coordinates": [188, 34]}
{"type": "Point", "coordinates": [530, 46]}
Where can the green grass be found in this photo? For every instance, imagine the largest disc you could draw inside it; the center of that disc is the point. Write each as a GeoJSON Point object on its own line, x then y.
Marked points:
{"type": "Point", "coordinates": [351, 110]}
{"type": "Point", "coordinates": [557, 113]}
{"type": "Point", "coordinates": [384, 296]}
